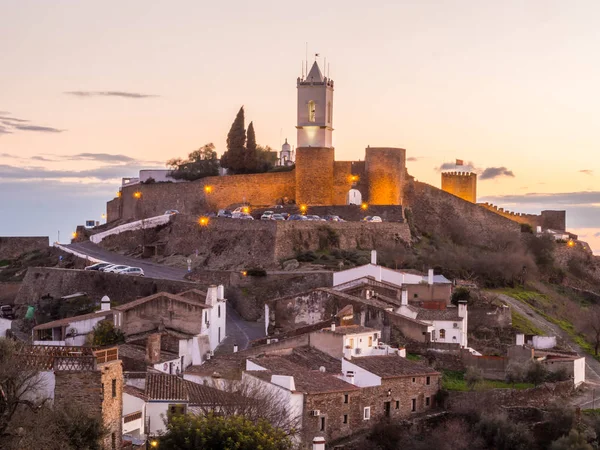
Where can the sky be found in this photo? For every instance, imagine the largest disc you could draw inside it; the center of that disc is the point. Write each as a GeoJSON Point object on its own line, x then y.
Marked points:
{"type": "Point", "coordinates": [93, 91]}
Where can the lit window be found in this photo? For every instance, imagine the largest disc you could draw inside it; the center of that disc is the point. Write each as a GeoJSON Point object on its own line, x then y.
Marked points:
{"type": "Point", "coordinates": [351, 342]}
{"type": "Point", "coordinates": [312, 111]}
{"type": "Point", "coordinates": [367, 413]}
{"type": "Point", "coordinates": [370, 341]}
{"type": "Point", "coordinates": [442, 334]}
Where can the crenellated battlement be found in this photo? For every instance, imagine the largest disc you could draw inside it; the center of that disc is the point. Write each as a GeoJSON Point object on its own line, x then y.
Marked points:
{"type": "Point", "coordinates": [554, 220]}
{"type": "Point", "coordinates": [461, 184]}
{"type": "Point", "coordinates": [459, 174]}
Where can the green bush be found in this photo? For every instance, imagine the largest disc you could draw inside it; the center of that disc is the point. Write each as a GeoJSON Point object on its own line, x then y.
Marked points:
{"type": "Point", "coordinates": [461, 293]}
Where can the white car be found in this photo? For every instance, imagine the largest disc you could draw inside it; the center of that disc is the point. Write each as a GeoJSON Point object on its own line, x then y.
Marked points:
{"type": "Point", "coordinates": [266, 215]}
{"type": "Point", "coordinates": [372, 219]}
{"type": "Point", "coordinates": [242, 215]}
{"type": "Point", "coordinates": [116, 269]}
{"type": "Point", "coordinates": [106, 268]}
{"type": "Point", "coordinates": [132, 271]}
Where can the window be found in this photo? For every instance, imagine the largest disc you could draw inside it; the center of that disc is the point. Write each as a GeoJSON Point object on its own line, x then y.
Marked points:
{"type": "Point", "coordinates": [345, 398]}
{"type": "Point", "coordinates": [322, 423]}
{"type": "Point", "coordinates": [415, 295]}
{"type": "Point", "coordinates": [219, 340]}
{"type": "Point", "coordinates": [176, 409]}
{"type": "Point", "coordinates": [433, 335]}
{"type": "Point", "coordinates": [367, 413]}
{"type": "Point", "coordinates": [428, 382]}
{"type": "Point", "coordinates": [312, 111]}
{"type": "Point", "coordinates": [114, 387]}
{"type": "Point", "coordinates": [219, 311]}
{"type": "Point", "coordinates": [328, 112]}
{"type": "Point", "coordinates": [414, 405]}
{"type": "Point", "coordinates": [206, 317]}
{"type": "Point", "coordinates": [414, 380]}
{"type": "Point", "coordinates": [345, 418]}
{"type": "Point", "coordinates": [455, 325]}
{"type": "Point", "coordinates": [351, 342]}
{"type": "Point", "coordinates": [442, 334]}
{"type": "Point", "coordinates": [370, 341]}
{"type": "Point", "coordinates": [426, 401]}
{"type": "Point", "coordinates": [397, 404]}
{"type": "Point", "coordinates": [113, 441]}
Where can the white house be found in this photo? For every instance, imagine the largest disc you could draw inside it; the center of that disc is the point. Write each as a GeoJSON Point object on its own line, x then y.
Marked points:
{"type": "Point", "coordinates": [71, 331]}
{"type": "Point", "coordinates": [5, 325]}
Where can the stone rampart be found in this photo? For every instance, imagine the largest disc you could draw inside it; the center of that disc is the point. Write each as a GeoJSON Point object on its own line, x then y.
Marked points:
{"type": "Point", "coordinates": [385, 169]}
{"type": "Point", "coordinates": [436, 212]}
{"type": "Point", "coordinates": [554, 220]}
{"type": "Point", "coordinates": [13, 247]}
{"type": "Point", "coordinates": [314, 175]}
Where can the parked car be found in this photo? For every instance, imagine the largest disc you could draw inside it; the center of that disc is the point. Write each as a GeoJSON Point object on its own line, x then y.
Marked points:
{"type": "Point", "coordinates": [242, 215]}
{"type": "Point", "coordinates": [224, 213]}
{"type": "Point", "coordinates": [171, 212]}
{"type": "Point", "coordinates": [241, 208]}
{"type": "Point", "coordinates": [285, 215]}
{"type": "Point", "coordinates": [278, 207]}
{"type": "Point", "coordinates": [315, 218]}
{"type": "Point", "coordinates": [105, 268]}
{"type": "Point", "coordinates": [6, 311]}
{"type": "Point", "coordinates": [116, 268]}
{"type": "Point", "coordinates": [266, 215]}
{"type": "Point", "coordinates": [333, 218]}
{"type": "Point", "coordinates": [277, 217]}
{"type": "Point", "coordinates": [297, 217]}
{"type": "Point", "coordinates": [372, 219]}
{"type": "Point", "coordinates": [132, 271]}
{"type": "Point", "coordinates": [97, 266]}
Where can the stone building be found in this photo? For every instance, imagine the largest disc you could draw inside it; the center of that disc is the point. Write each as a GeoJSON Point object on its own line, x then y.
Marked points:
{"type": "Point", "coordinates": [461, 184]}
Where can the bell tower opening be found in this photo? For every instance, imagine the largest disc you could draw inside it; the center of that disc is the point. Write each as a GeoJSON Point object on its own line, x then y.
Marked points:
{"type": "Point", "coordinates": [311, 111]}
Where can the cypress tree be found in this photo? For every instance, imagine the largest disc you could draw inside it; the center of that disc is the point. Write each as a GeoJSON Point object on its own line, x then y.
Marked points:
{"type": "Point", "coordinates": [251, 159]}
{"type": "Point", "coordinates": [234, 158]}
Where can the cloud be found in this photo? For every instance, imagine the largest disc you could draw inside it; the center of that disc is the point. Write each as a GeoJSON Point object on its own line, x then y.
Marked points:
{"type": "Point", "coordinates": [10, 120]}
{"type": "Point", "coordinates": [7, 155]}
{"type": "Point", "coordinates": [412, 158]}
{"type": "Point", "coordinates": [109, 94]}
{"type": "Point", "coordinates": [38, 128]}
{"type": "Point", "coordinates": [102, 157]}
{"type": "Point", "coordinates": [469, 166]}
{"type": "Point", "coordinates": [597, 234]}
{"type": "Point", "coordinates": [41, 158]}
{"type": "Point", "coordinates": [4, 130]}
{"type": "Point", "coordinates": [587, 171]}
{"type": "Point", "coordinates": [495, 172]}
{"type": "Point", "coordinates": [111, 172]}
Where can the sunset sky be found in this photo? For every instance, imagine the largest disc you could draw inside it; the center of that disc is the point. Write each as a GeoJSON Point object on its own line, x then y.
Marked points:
{"type": "Point", "coordinates": [92, 91]}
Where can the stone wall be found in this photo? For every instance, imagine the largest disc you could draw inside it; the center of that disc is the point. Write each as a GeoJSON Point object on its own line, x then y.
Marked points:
{"type": "Point", "coordinates": [554, 220]}
{"type": "Point", "coordinates": [385, 169]}
{"type": "Point", "coordinates": [53, 282]}
{"type": "Point", "coordinates": [314, 175]}
{"type": "Point", "coordinates": [489, 317]}
{"type": "Point", "coordinates": [112, 404]}
{"type": "Point", "coordinates": [461, 184]}
{"type": "Point", "coordinates": [13, 247]}
{"type": "Point", "coordinates": [113, 210]}
{"type": "Point", "coordinates": [436, 212]}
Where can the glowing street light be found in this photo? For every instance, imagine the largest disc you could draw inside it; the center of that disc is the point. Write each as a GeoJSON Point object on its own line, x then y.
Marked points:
{"type": "Point", "coordinates": [246, 209]}
{"type": "Point", "coordinates": [203, 221]}
{"type": "Point", "coordinates": [354, 178]}
{"type": "Point", "coordinates": [303, 209]}
{"type": "Point", "coordinates": [571, 243]}
{"type": "Point", "coordinates": [364, 206]}
{"type": "Point", "coordinates": [119, 194]}
{"type": "Point", "coordinates": [74, 234]}
{"type": "Point", "coordinates": [244, 273]}
{"type": "Point", "coordinates": [137, 195]}
{"type": "Point", "coordinates": [208, 189]}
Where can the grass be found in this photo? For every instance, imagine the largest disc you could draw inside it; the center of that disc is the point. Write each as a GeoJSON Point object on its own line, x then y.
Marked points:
{"type": "Point", "coordinates": [454, 380]}
{"type": "Point", "coordinates": [4, 262]}
{"type": "Point", "coordinates": [413, 357]}
{"type": "Point", "coordinates": [524, 325]}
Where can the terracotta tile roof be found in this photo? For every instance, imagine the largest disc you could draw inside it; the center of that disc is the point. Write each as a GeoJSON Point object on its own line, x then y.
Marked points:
{"type": "Point", "coordinates": [195, 294]}
{"type": "Point", "coordinates": [224, 366]}
{"type": "Point", "coordinates": [135, 392]}
{"type": "Point", "coordinates": [173, 297]}
{"type": "Point", "coordinates": [392, 366]}
{"type": "Point", "coordinates": [68, 320]}
{"type": "Point", "coordinates": [309, 381]}
{"type": "Point", "coordinates": [351, 329]}
{"type": "Point", "coordinates": [313, 359]}
{"type": "Point", "coordinates": [138, 352]}
{"type": "Point", "coordinates": [438, 314]}
{"type": "Point", "coordinates": [165, 387]}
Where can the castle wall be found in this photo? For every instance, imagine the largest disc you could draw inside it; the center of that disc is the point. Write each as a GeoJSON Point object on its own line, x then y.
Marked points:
{"type": "Point", "coordinates": [13, 247]}
{"type": "Point", "coordinates": [555, 220]}
{"type": "Point", "coordinates": [342, 180]}
{"type": "Point", "coordinates": [385, 168]}
{"type": "Point", "coordinates": [437, 212]}
{"type": "Point", "coordinates": [314, 175]}
{"type": "Point", "coordinates": [191, 198]}
{"type": "Point", "coordinates": [461, 184]}
{"type": "Point", "coordinates": [113, 210]}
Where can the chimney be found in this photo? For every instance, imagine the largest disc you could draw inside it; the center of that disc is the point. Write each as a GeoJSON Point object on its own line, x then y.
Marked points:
{"type": "Point", "coordinates": [105, 303]}
{"type": "Point", "coordinates": [318, 443]}
{"type": "Point", "coordinates": [350, 376]}
{"type": "Point", "coordinates": [153, 348]}
{"type": "Point", "coordinates": [538, 229]}
{"type": "Point", "coordinates": [211, 295]}
{"type": "Point", "coordinates": [235, 348]}
{"type": "Point", "coordinates": [220, 292]}
{"type": "Point", "coordinates": [462, 308]}
{"type": "Point", "coordinates": [332, 326]}
{"type": "Point", "coordinates": [401, 352]}
{"type": "Point", "coordinates": [430, 277]}
{"type": "Point", "coordinates": [374, 257]}
{"type": "Point", "coordinates": [404, 297]}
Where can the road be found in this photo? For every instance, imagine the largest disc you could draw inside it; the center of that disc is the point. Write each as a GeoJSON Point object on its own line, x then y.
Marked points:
{"type": "Point", "coordinates": [587, 396]}
{"type": "Point", "coordinates": [239, 331]}
{"type": "Point", "coordinates": [151, 269]}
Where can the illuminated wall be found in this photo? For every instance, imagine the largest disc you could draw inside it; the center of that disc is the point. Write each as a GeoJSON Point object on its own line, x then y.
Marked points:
{"type": "Point", "coordinates": [385, 168]}
{"type": "Point", "coordinates": [461, 184]}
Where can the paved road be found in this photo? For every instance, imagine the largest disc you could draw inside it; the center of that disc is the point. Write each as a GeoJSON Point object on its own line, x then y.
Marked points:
{"type": "Point", "coordinates": [239, 331]}
{"type": "Point", "coordinates": [586, 397]}
{"type": "Point", "coordinates": [151, 269]}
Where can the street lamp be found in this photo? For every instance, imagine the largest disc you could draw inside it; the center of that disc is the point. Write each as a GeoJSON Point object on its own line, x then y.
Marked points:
{"type": "Point", "coordinates": [137, 195]}
{"type": "Point", "coordinates": [303, 209]}
{"type": "Point", "coordinates": [203, 221]}
{"type": "Point", "coordinates": [208, 189]}
{"type": "Point", "coordinates": [364, 206]}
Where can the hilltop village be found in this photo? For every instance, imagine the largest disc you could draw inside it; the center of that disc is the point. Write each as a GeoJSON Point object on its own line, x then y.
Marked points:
{"type": "Point", "coordinates": [338, 301]}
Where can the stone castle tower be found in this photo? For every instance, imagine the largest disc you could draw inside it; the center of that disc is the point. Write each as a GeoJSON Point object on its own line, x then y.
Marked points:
{"type": "Point", "coordinates": [461, 184]}
{"type": "Point", "coordinates": [314, 154]}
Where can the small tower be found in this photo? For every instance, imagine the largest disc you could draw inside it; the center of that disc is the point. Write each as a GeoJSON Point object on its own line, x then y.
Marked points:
{"type": "Point", "coordinates": [286, 156]}
{"type": "Point", "coordinates": [315, 109]}
{"type": "Point", "coordinates": [461, 184]}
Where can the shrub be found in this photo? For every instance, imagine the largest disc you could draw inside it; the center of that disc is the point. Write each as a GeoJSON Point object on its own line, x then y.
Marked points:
{"type": "Point", "coordinates": [526, 228]}
{"type": "Point", "coordinates": [256, 272]}
{"type": "Point", "coordinates": [473, 377]}
{"type": "Point", "coordinates": [460, 294]}
{"type": "Point", "coordinates": [106, 334]}
{"type": "Point", "coordinates": [536, 373]}
{"type": "Point", "coordinates": [306, 257]}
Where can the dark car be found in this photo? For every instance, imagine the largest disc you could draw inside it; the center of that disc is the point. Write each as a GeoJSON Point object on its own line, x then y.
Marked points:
{"type": "Point", "coordinates": [6, 311]}
{"type": "Point", "coordinates": [97, 266]}
{"type": "Point", "coordinates": [332, 218]}
{"type": "Point", "coordinates": [297, 217]}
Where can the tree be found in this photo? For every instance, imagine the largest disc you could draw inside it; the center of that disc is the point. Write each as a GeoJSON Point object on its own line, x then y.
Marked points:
{"type": "Point", "coordinates": [251, 156]}
{"type": "Point", "coordinates": [473, 377]}
{"type": "Point", "coordinates": [105, 333]}
{"type": "Point", "coordinates": [593, 326]}
{"type": "Point", "coordinates": [459, 294]}
{"type": "Point", "coordinates": [199, 164]}
{"type": "Point", "coordinates": [536, 373]}
{"type": "Point", "coordinates": [234, 158]}
{"type": "Point", "coordinates": [572, 441]}
{"type": "Point", "coordinates": [191, 432]}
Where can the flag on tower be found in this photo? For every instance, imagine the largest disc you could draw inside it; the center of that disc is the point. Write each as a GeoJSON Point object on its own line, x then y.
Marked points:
{"type": "Point", "coordinates": [459, 162]}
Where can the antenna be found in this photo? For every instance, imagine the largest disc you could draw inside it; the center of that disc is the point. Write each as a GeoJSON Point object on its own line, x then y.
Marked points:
{"type": "Point", "coordinates": [325, 65]}
{"type": "Point", "coordinates": [328, 71]}
{"type": "Point", "coordinates": [306, 55]}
